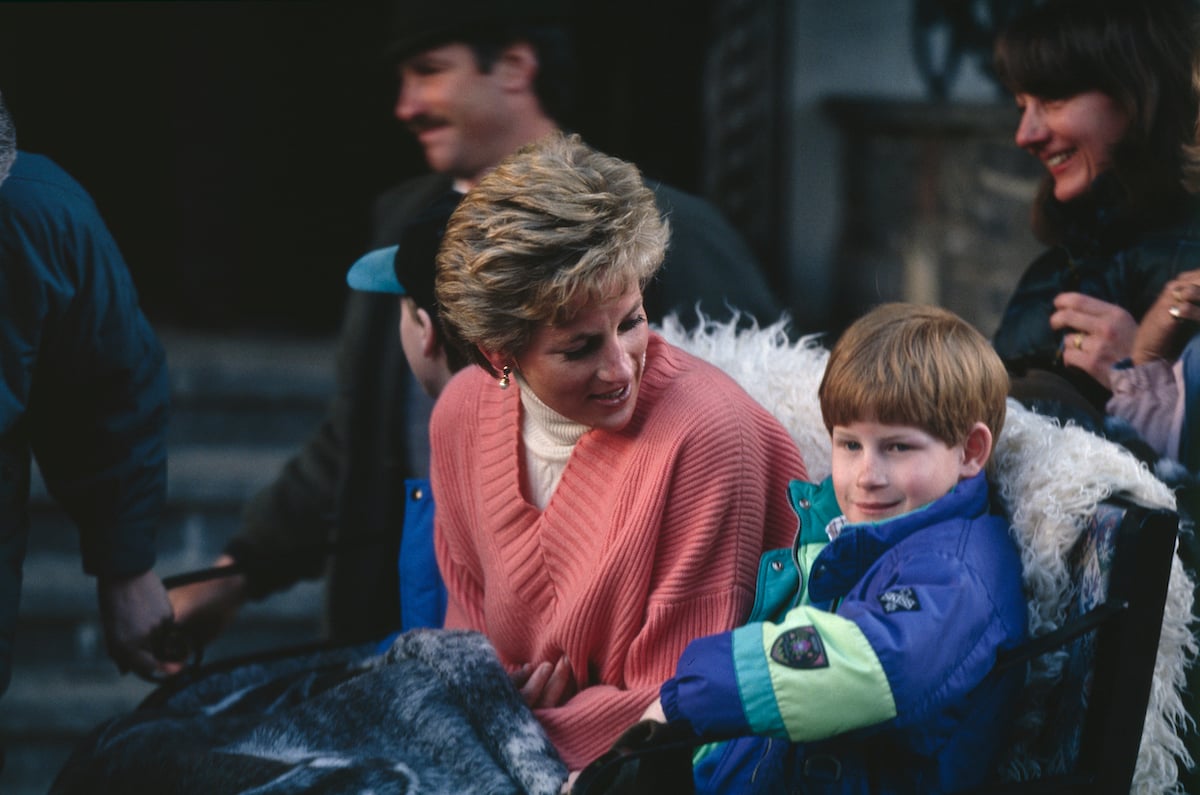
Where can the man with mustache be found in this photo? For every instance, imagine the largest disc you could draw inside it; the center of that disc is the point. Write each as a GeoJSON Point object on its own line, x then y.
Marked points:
{"type": "Point", "coordinates": [478, 79]}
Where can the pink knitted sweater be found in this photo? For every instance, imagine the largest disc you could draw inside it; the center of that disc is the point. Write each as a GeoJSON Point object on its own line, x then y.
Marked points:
{"type": "Point", "coordinates": [651, 539]}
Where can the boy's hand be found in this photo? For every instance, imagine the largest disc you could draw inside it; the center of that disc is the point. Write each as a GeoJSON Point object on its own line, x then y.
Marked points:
{"type": "Point", "coordinates": [655, 712]}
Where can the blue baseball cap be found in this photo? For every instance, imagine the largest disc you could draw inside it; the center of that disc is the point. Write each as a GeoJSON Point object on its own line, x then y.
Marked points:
{"type": "Point", "coordinates": [375, 272]}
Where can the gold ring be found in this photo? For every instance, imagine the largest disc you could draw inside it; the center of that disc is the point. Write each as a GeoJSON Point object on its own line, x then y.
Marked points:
{"type": "Point", "coordinates": [1079, 341]}
{"type": "Point", "coordinates": [1175, 313]}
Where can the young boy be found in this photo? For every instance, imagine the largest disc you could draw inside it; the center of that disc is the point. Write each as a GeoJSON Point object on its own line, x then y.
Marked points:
{"type": "Point", "coordinates": [899, 590]}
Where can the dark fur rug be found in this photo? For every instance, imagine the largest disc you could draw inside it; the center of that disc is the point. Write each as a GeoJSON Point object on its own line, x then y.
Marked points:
{"type": "Point", "coordinates": [435, 714]}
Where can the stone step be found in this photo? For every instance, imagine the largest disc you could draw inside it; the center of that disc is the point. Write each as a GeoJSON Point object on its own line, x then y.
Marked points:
{"type": "Point", "coordinates": [205, 476]}
{"type": "Point", "coordinates": [55, 627]}
{"type": "Point", "coordinates": [207, 490]}
{"type": "Point", "coordinates": [247, 390]}
{"type": "Point", "coordinates": [263, 367]}
{"type": "Point", "coordinates": [241, 406]}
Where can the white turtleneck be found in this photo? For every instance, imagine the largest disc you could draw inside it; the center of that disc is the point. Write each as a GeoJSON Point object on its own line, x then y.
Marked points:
{"type": "Point", "coordinates": [549, 438]}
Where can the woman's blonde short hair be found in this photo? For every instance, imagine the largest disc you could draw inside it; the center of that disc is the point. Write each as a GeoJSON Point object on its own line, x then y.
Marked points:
{"type": "Point", "coordinates": [554, 228]}
{"type": "Point", "coordinates": [921, 366]}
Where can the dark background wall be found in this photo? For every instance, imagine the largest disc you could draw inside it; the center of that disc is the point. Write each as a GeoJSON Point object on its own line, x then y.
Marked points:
{"type": "Point", "coordinates": [234, 147]}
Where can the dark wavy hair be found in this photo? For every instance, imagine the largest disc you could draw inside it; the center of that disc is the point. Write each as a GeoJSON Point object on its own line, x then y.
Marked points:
{"type": "Point", "coordinates": [1137, 52]}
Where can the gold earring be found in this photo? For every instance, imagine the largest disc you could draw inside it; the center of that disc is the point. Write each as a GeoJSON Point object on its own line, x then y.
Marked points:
{"type": "Point", "coordinates": [504, 382]}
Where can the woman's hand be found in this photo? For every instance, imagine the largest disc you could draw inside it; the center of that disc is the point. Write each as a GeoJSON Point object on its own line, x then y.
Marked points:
{"type": "Point", "coordinates": [1098, 334]}
{"type": "Point", "coordinates": [544, 685]}
{"type": "Point", "coordinates": [1169, 323]}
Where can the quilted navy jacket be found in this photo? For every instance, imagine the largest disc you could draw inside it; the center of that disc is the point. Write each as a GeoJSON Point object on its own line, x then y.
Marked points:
{"type": "Point", "coordinates": [867, 666]}
{"type": "Point", "coordinates": [83, 383]}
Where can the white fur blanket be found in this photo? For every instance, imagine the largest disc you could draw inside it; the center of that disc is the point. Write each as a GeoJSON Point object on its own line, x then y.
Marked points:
{"type": "Point", "coordinates": [1051, 478]}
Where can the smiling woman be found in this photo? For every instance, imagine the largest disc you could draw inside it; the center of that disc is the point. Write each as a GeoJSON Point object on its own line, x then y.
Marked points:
{"type": "Point", "coordinates": [589, 369]}
{"type": "Point", "coordinates": [1108, 108]}
{"type": "Point", "coordinates": [1073, 137]}
{"type": "Point", "coordinates": [603, 497]}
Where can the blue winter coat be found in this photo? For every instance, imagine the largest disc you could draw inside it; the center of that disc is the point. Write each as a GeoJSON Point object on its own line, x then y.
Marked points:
{"type": "Point", "coordinates": [83, 383]}
{"type": "Point", "coordinates": [867, 665]}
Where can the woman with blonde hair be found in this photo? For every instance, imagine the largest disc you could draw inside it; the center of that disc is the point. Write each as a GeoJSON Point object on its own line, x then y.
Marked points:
{"type": "Point", "coordinates": [603, 497]}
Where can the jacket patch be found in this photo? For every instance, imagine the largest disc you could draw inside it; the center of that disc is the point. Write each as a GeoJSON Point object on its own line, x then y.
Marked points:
{"type": "Point", "coordinates": [800, 648]}
{"type": "Point", "coordinates": [899, 599]}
